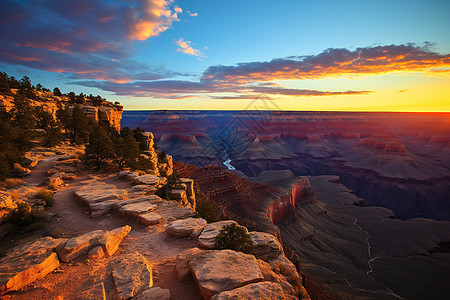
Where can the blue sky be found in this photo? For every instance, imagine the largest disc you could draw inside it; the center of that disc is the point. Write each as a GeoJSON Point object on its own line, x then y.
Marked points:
{"type": "Point", "coordinates": [303, 55]}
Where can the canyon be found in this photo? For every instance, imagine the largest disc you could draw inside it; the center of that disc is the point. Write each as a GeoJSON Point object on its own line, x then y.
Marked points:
{"type": "Point", "coordinates": [361, 198]}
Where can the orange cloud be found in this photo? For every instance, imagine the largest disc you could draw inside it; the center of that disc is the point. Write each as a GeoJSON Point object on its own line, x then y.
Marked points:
{"type": "Point", "coordinates": [332, 62]}
{"type": "Point", "coordinates": [185, 47]}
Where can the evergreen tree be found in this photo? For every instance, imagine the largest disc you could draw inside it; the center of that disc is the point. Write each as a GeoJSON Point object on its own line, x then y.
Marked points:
{"type": "Point", "coordinates": [100, 148]}
{"type": "Point", "coordinates": [57, 92]}
{"type": "Point", "coordinates": [126, 148]}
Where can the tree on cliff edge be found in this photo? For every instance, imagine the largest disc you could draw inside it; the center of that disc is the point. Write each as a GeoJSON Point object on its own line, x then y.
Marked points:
{"type": "Point", "coordinates": [100, 149]}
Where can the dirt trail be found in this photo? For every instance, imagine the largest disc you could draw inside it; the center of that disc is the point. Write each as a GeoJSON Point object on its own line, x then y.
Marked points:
{"type": "Point", "coordinates": [71, 218]}
{"type": "Point", "coordinates": [38, 174]}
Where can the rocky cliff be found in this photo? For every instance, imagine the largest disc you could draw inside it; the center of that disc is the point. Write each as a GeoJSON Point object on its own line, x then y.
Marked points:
{"type": "Point", "coordinates": [106, 112]}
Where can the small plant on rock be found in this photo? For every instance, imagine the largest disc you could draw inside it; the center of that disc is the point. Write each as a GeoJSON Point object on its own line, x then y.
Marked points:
{"type": "Point", "coordinates": [234, 237]}
{"type": "Point", "coordinates": [45, 195]}
{"type": "Point", "coordinates": [25, 215]}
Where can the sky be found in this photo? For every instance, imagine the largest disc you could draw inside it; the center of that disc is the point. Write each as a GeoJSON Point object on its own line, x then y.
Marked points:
{"type": "Point", "coordinates": [233, 55]}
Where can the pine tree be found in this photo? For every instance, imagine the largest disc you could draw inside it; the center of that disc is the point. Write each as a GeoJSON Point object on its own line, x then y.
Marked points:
{"type": "Point", "coordinates": [100, 148]}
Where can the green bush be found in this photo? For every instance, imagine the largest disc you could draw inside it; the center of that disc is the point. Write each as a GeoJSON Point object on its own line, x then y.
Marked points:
{"type": "Point", "coordinates": [45, 195]}
{"type": "Point", "coordinates": [207, 210]}
{"type": "Point", "coordinates": [234, 237]}
{"type": "Point", "coordinates": [24, 215]}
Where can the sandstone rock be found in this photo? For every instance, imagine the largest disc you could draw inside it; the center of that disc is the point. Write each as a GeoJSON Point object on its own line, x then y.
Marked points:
{"type": "Point", "coordinates": [207, 238]}
{"type": "Point", "coordinates": [95, 192]}
{"type": "Point", "coordinates": [136, 209]}
{"type": "Point", "coordinates": [181, 263]}
{"type": "Point", "coordinates": [6, 206]}
{"type": "Point", "coordinates": [150, 179]}
{"type": "Point", "coordinates": [132, 275]}
{"type": "Point", "coordinates": [153, 199]}
{"type": "Point", "coordinates": [271, 276]}
{"type": "Point", "coordinates": [149, 218]}
{"type": "Point", "coordinates": [28, 162]}
{"type": "Point", "coordinates": [79, 245]}
{"type": "Point", "coordinates": [25, 264]}
{"type": "Point", "coordinates": [111, 239]}
{"type": "Point", "coordinates": [261, 291]}
{"type": "Point", "coordinates": [20, 171]}
{"type": "Point", "coordinates": [96, 253]}
{"type": "Point", "coordinates": [177, 194]}
{"type": "Point", "coordinates": [265, 245]}
{"type": "Point", "coordinates": [154, 293]}
{"type": "Point", "coordinates": [142, 188]}
{"type": "Point", "coordinates": [171, 210]}
{"type": "Point", "coordinates": [217, 271]}
{"type": "Point", "coordinates": [191, 227]}
{"type": "Point", "coordinates": [96, 292]}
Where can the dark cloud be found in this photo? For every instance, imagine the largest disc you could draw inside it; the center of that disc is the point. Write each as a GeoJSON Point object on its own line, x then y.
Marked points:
{"type": "Point", "coordinates": [90, 38]}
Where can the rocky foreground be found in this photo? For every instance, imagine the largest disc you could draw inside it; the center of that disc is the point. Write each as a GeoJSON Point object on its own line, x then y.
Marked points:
{"type": "Point", "coordinates": [118, 261]}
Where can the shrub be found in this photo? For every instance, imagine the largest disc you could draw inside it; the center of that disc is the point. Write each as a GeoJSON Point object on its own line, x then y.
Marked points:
{"type": "Point", "coordinates": [24, 215]}
{"type": "Point", "coordinates": [12, 182]}
{"type": "Point", "coordinates": [207, 210]}
{"type": "Point", "coordinates": [45, 195]}
{"type": "Point", "coordinates": [234, 237]}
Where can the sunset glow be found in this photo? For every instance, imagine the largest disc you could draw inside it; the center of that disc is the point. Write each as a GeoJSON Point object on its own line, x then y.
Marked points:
{"type": "Point", "coordinates": [164, 54]}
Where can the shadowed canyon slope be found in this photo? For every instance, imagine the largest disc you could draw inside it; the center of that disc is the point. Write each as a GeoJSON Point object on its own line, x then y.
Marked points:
{"type": "Point", "coordinates": [395, 160]}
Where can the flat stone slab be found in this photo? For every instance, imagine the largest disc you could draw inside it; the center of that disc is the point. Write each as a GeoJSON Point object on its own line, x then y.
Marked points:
{"type": "Point", "coordinates": [262, 291]}
{"type": "Point", "coordinates": [149, 218]}
{"type": "Point", "coordinates": [223, 270]}
{"type": "Point", "coordinates": [191, 227]}
{"type": "Point", "coordinates": [132, 274]}
{"type": "Point", "coordinates": [77, 246]}
{"type": "Point", "coordinates": [266, 245]}
{"type": "Point", "coordinates": [95, 192]}
{"type": "Point", "coordinates": [207, 238]}
{"type": "Point", "coordinates": [153, 199]}
{"type": "Point", "coordinates": [172, 210]}
{"type": "Point", "coordinates": [142, 188]}
{"type": "Point", "coordinates": [27, 263]}
{"type": "Point", "coordinates": [150, 179]}
{"type": "Point", "coordinates": [136, 209]}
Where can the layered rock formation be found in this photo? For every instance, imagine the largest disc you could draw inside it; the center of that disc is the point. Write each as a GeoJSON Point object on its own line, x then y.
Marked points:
{"type": "Point", "coordinates": [384, 157]}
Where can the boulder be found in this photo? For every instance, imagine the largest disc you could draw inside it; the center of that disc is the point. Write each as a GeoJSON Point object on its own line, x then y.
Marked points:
{"type": "Point", "coordinates": [191, 227]}
{"type": "Point", "coordinates": [27, 263]}
{"type": "Point", "coordinates": [108, 240]}
{"type": "Point", "coordinates": [20, 171]}
{"type": "Point", "coordinates": [149, 218]}
{"type": "Point", "coordinates": [132, 274]}
{"type": "Point", "coordinates": [154, 293]}
{"type": "Point", "coordinates": [111, 239]}
{"type": "Point", "coordinates": [223, 270]}
{"type": "Point", "coordinates": [28, 162]}
{"type": "Point", "coordinates": [136, 209]}
{"type": "Point", "coordinates": [177, 194]}
{"type": "Point", "coordinates": [260, 290]}
{"type": "Point", "coordinates": [265, 245]}
{"type": "Point", "coordinates": [181, 263]}
{"type": "Point", "coordinates": [96, 292]}
{"type": "Point", "coordinates": [207, 238]}
{"type": "Point", "coordinates": [77, 246]}
{"type": "Point", "coordinates": [271, 276]}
